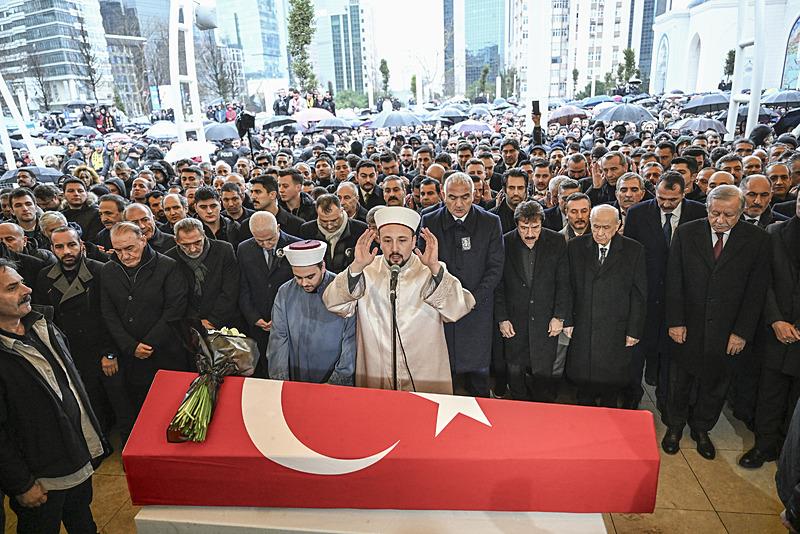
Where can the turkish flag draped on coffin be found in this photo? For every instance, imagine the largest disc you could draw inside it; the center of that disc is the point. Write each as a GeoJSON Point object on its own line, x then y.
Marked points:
{"type": "Point", "coordinates": [297, 445]}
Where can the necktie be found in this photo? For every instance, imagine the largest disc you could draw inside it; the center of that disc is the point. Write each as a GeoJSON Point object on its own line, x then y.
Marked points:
{"type": "Point", "coordinates": [270, 259]}
{"type": "Point", "coordinates": [751, 221]}
{"type": "Point", "coordinates": [602, 255]}
{"type": "Point", "coordinates": [668, 227]}
{"type": "Point", "coordinates": [718, 245]}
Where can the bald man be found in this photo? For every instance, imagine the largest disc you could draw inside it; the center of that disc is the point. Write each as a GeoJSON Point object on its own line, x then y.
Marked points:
{"type": "Point", "coordinates": [262, 271]}
{"type": "Point", "coordinates": [719, 178]}
{"type": "Point", "coordinates": [609, 302]}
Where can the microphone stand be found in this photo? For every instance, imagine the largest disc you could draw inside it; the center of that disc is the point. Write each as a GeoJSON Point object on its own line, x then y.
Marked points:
{"type": "Point", "coordinates": [393, 300]}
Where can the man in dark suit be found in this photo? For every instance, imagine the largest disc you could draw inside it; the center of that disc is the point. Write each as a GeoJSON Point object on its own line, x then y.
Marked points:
{"type": "Point", "coordinates": [335, 228]}
{"type": "Point", "coordinates": [531, 303]}
{"type": "Point", "coordinates": [471, 245]}
{"type": "Point", "coordinates": [369, 194]}
{"type": "Point", "coordinates": [757, 191]}
{"type": "Point", "coordinates": [515, 191]}
{"type": "Point", "coordinates": [609, 300]}
{"type": "Point", "coordinates": [778, 345]}
{"type": "Point", "coordinates": [716, 280]}
{"type": "Point", "coordinates": [780, 177]}
{"type": "Point", "coordinates": [601, 186]}
{"type": "Point", "coordinates": [262, 271]}
{"type": "Point", "coordinates": [264, 193]}
{"type": "Point", "coordinates": [652, 223]}
{"type": "Point", "coordinates": [555, 218]}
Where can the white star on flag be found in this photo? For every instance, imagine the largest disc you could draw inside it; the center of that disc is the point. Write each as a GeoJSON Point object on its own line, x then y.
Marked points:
{"type": "Point", "coordinates": [452, 405]}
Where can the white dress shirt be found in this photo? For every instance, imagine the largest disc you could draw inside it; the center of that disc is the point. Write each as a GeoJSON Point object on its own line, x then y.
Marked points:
{"type": "Point", "coordinates": [676, 216]}
{"type": "Point", "coordinates": [725, 237]}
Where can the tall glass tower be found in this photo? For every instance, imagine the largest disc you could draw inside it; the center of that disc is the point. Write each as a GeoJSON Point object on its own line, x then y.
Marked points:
{"type": "Point", "coordinates": [255, 26]}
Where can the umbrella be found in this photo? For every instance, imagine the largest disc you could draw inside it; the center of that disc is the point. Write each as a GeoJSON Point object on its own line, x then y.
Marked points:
{"type": "Point", "coordinates": [42, 174]}
{"type": "Point", "coordinates": [591, 101]}
{"type": "Point", "coordinates": [788, 122]}
{"type": "Point", "coordinates": [116, 137]}
{"type": "Point", "coordinates": [162, 131]}
{"type": "Point", "coordinates": [764, 114]}
{"type": "Point", "coordinates": [699, 124]}
{"type": "Point", "coordinates": [334, 124]}
{"type": "Point", "coordinates": [472, 126]}
{"type": "Point", "coordinates": [394, 119]}
{"type": "Point", "coordinates": [452, 113]}
{"type": "Point", "coordinates": [625, 113]}
{"type": "Point", "coordinates": [312, 115]}
{"type": "Point", "coordinates": [221, 131]}
{"type": "Point", "coordinates": [51, 150]}
{"type": "Point", "coordinates": [789, 98]}
{"type": "Point", "coordinates": [267, 121]}
{"type": "Point", "coordinates": [141, 120]}
{"type": "Point", "coordinates": [602, 106]}
{"type": "Point", "coordinates": [189, 150]}
{"type": "Point", "coordinates": [565, 114]}
{"type": "Point", "coordinates": [17, 144]}
{"type": "Point", "coordinates": [85, 131]}
{"type": "Point", "coordinates": [499, 100]}
{"type": "Point", "coordinates": [636, 98]}
{"type": "Point", "coordinates": [706, 103]}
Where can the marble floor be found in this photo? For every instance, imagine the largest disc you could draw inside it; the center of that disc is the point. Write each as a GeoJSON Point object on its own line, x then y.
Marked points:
{"type": "Point", "coordinates": [694, 495]}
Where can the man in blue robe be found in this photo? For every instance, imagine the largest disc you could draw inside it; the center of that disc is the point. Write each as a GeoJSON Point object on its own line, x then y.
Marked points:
{"type": "Point", "coordinates": [307, 343]}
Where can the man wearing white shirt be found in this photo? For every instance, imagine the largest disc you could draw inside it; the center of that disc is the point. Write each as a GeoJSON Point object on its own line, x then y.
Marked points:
{"type": "Point", "coordinates": [716, 281]}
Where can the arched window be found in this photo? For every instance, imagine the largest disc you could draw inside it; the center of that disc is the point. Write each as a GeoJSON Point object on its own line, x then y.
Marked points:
{"type": "Point", "coordinates": [791, 64]}
{"type": "Point", "coordinates": [662, 62]}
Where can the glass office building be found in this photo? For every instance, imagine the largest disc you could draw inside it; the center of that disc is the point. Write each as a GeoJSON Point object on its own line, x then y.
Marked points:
{"type": "Point", "coordinates": [254, 26]}
{"type": "Point", "coordinates": [474, 37]}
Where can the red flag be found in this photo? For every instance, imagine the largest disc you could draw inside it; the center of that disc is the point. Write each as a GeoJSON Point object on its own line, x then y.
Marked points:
{"type": "Point", "coordinates": [290, 444]}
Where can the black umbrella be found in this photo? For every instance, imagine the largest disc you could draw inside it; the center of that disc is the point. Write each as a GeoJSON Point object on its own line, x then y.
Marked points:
{"type": "Point", "coordinates": [42, 174]}
{"type": "Point", "coordinates": [706, 103]}
{"type": "Point", "coordinates": [277, 121]}
{"type": "Point", "coordinates": [624, 113]}
{"type": "Point", "coordinates": [451, 113]}
{"type": "Point", "coordinates": [787, 123]}
{"type": "Point", "coordinates": [699, 124]}
{"type": "Point", "coordinates": [787, 99]}
{"type": "Point", "coordinates": [334, 124]}
{"type": "Point", "coordinates": [85, 131]}
{"type": "Point", "coordinates": [394, 119]}
{"type": "Point", "coordinates": [221, 132]}
{"type": "Point", "coordinates": [764, 114]}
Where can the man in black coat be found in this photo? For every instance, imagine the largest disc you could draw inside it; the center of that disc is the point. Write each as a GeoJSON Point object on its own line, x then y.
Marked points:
{"type": "Point", "coordinates": [471, 245]}
{"type": "Point", "coordinates": [531, 303]}
{"type": "Point", "coordinates": [555, 218]}
{"type": "Point", "coordinates": [609, 302]}
{"type": "Point", "coordinates": [262, 271]}
{"type": "Point", "coordinates": [141, 216]}
{"type": "Point", "coordinates": [757, 191]}
{"type": "Point", "coordinates": [143, 297]}
{"type": "Point", "coordinates": [264, 194]}
{"type": "Point", "coordinates": [717, 276]}
{"type": "Point", "coordinates": [79, 210]}
{"type": "Point", "coordinates": [369, 194]}
{"type": "Point", "coordinates": [72, 288]}
{"type": "Point", "coordinates": [50, 440]}
{"type": "Point", "coordinates": [652, 223]}
{"type": "Point", "coordinates": [515, 191]}
{"type": "Point", "coordinates": [778, 345]}
{"type": "Point", "coordinates": [337, 230]}
{"type": "Point", "coordinates": [216, 226]}
{"type": "Point", "coordinates": [212, 274]}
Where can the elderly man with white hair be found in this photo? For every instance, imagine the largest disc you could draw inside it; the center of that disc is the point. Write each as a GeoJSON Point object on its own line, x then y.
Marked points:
{"type": "Point", "coordinates": [609, 301]}
{"type": "Point", "coordinates": [262, 270]}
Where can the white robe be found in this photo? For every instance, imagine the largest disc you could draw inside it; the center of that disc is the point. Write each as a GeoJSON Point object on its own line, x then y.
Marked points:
{"type": "Point", "coordinates": [422, 308]}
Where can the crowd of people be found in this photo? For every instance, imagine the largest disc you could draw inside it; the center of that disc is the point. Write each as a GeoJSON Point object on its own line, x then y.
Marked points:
{"type": "Point", "coordinates": [564, 264]}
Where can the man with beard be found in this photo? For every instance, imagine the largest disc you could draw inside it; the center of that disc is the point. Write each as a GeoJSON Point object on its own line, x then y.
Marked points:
{"type": "Point", "coordinates": [141, 216]}
{"type": "Point", "coordinates": [427, 297]}
{"type": "Point", "coordinates": [217, 226]}
{"type": "Point", "coordinates": [341, 171]}
{"type": "Point", "coordinates": [323, 166]}
{"type": "Point", "coordinates": [348, 197]}
{"type": "Point", "coordinates": [370, 195]}
{"type": "Point", "coordinates": [394, 192]}
{"type": "Point", "coordinates": [308, 343]}
{"type": "Point", "coordinates": [514, 192]}
{"type": "Point", "coordinates": [79, 210]}
{"type": "Point", "coordinates": [23, 206]}
{"type": "Point", "coordinates": [510, 152]}
{"type": "Point", "coordinates": [142, 297]}
{"type": "Point", "coordinates": [49, 437]}
{"type": "Point", "coordinates": [211, 270]}
{"type": "Point", "coordinates": [262, 271]}
{"type": "Point", "coordinates": [336, 230]}
{"type": "Point", "coordinates": [577, 207]}
{"type": "Point", "coordinates": [72, 288]}
{"type": "Point", "coordinates": [264, 194]}
{"type": "Point", "coordinates": [555, 217]}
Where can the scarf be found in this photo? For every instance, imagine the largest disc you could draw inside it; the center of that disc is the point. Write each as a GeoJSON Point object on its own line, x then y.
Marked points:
{"type": "Point", "coordinates": [197, 266]}
{"type": "Point", "coordinates": [333, 237]}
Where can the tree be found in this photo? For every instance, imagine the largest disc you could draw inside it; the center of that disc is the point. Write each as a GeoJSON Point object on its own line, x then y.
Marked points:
{"type": "Point", "coordinates": [330, 88]}
{"type": "Point", "coordinates": [213, 73]}
{"type": "Point", "coordinates": [45, 92]}
{"type": "Point", "coordinates": [482, 80]}
{"type": "Point", "coordinates": [629, 58]}
{"type": "Point", "coordinates": [414, 86]}
{"type": "Point", "coordinates": [118, 101]}
{"type": "Point", "coordinates": [350, 99]}
{"type": "Point", "coordinates": [301, 32]}
{"type": "Point", "coordinates": [621, 74]}
{"type": "Point", "coordinates": [384, 70]}
{"type": "Point", "coordinates": [89, 60]}
{"type": "Point", "coordinates": [575, 74]}
{"type": "Point", "coordinates": [730, 60]}
{"type": "Point", "coordinates": [509, 77]}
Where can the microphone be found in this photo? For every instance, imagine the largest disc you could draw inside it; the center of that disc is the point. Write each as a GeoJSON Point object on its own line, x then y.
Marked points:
{"type": "Point", "coordinates": [395, 269]}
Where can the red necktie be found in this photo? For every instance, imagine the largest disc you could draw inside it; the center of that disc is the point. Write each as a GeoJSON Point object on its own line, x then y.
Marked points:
{"type": "Point", "coordinates": [718, 245]}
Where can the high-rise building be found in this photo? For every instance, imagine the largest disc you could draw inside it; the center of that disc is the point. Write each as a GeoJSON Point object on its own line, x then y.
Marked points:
{"type": "Point", "coordinates": [474, 37]}
{"type": "Point", "coordinates": [40, 49]}
{"type": "Point", "coordinates": [258, 28]}
{"type": "Point", "coordinates": [342, 56]}
{"type": "Point", "coordinates": [126, 56]}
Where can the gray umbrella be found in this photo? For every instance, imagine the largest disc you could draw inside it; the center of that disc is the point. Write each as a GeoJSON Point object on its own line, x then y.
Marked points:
{"type": "Point", "coordinates": [787, 99]}
{"type": "Point", "coordinates": [699, 124]}
{"type": "Point", "coordinates": [221, 132]}
{"type": "Point", "coordinates": [624, 113]}
{"type": "Point", "coordinates": [46, 175]}
{"type": "Point", "coordinates": [395, 119]}
{"type": "Point", "coordinates": [85, 131]}
{"type": "Point", "coordinates": [334, 124]}
{"type": "Point", "coordinates": [706, 103]}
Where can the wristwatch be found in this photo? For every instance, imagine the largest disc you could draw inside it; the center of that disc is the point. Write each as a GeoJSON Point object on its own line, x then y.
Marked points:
{"type": "Point", "coordinates": [110, 356]}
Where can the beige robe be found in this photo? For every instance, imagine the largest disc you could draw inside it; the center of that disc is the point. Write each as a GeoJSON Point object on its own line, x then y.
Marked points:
{"type": "Point", "coordinates": [422, 308]}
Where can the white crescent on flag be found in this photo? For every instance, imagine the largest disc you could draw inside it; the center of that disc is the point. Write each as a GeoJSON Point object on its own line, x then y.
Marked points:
{"type": "Point", "coordinates": [262, 411]}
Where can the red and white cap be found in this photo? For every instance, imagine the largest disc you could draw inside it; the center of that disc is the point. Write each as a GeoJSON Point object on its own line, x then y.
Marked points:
{"type": "Point", "coordinates": [305, 253]}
